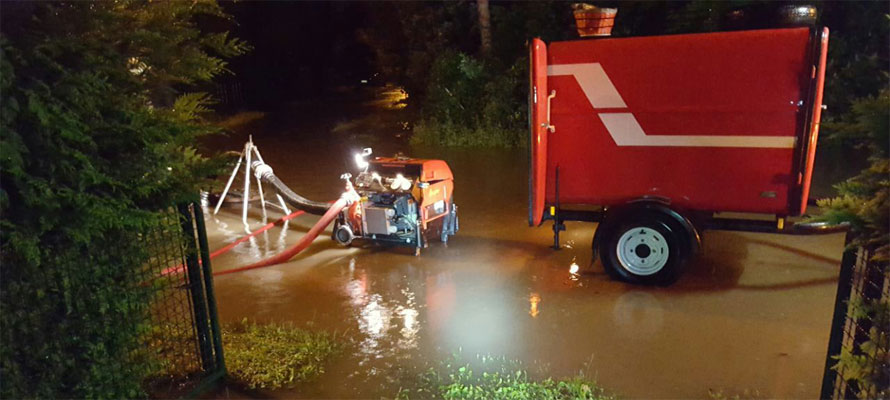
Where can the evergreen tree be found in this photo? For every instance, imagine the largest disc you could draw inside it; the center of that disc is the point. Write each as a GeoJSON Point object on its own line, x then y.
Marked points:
{"type": "Point", "coordinates": [94, 140]}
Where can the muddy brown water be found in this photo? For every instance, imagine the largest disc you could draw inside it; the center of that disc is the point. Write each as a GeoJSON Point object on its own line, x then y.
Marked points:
{"type": "Point", "coordinates": [751, 315]}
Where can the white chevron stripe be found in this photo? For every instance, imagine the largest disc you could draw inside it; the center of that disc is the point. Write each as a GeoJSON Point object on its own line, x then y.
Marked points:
{"type": "Point", "coordinates": [626, 131]}
{"type": "Point", "coordinates": [600, 91]}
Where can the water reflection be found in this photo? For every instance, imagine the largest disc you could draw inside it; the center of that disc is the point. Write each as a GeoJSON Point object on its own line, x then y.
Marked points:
{"type": "Point", "coordinates": [357, 288]}
{"type": "Point", "coordinates": [374, 319]}
{"type": "Point", "coordinates": [533, 301]}
{"type": "Point", "coordinates": [638, 314]}
{"type": "Point", "coordinates": [394, 98]}
{"type": "Point", "coordinates": [266, 250]}
{"type": "Point", "coordinates": [281, 243]}
{"type": "Point", "coordinates": [477, 318]}
{"type": "Point", "coordinates": [575, 272]}
{"type": "Point", "coordinates": [410, 326]}
{"type": "Point", "coordinates": [251, 250]}
{"type": "Point", "coordinates": [377, 314]}
{"type": "Point", "coordinates": [440, 298]}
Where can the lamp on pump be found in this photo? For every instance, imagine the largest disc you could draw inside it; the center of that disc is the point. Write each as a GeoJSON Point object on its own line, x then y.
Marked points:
{"type": "Point", "coordinates": [360, 160]}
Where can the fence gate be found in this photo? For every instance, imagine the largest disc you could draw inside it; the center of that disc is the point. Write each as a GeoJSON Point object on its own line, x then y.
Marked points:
{"type": "Point", "coordinates": [858, 361]}
{"type": "Point", "coordinates": [183, 338]}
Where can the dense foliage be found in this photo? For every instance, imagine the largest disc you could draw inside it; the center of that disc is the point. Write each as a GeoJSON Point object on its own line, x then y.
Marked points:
{"type": "Point", "coordinates": [867, 364]}
{"type": "Point", "coordinates": [864, 202]}
{"type": "Point", "coordinates": [490, 378]}
{"type": "Point", "coordinates": [463, 98]}
{"type": "Point", "coordinates": [274, 356]}
{"type": "Point", "coordinates": [94, 139]}
{"type": "Point", "coordinates": [459, 83]}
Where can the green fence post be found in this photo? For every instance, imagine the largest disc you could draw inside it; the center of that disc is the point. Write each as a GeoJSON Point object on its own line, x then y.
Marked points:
{"type": "Point", "coordinates": [208, 287]}
{"type": "Point", "coordinates": [838, 320]}
{"type": "Point", "coordinates": [196, 286]}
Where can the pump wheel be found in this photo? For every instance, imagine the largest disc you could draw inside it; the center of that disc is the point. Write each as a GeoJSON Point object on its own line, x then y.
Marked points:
{"type": "Point", "coordinates": [343, 234]}
{"type": "Point", "coordinates": [449, 224]}
{"type": "Point", "coordinates": [644, 247]}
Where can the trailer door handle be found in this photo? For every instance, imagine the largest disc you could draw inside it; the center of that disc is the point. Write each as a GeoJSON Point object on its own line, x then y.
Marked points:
{"type": "Point", "coordinates": [547, 125]}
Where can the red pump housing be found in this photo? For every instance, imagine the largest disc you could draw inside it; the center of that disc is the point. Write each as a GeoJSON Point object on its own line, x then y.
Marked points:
{"type": "Point", "coordinates": [403, 201]}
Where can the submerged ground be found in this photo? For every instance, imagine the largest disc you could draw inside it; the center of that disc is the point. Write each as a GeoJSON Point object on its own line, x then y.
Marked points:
{"type": "Point", "coordinates": [752, 315]}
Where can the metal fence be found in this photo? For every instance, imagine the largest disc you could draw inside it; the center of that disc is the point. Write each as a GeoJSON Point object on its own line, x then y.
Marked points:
{"type": "Point", "coordinates": [858, 361]}
{"type": "Point", "coordinates": [229, 93]}
{"type": "Point", "coordinates": [183, 339]}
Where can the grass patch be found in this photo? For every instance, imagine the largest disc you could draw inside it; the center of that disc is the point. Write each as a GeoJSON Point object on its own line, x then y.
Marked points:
{"type": "Point", "coordinates": [273, 356]}
{"type": "Point", "coordinates": [744, 395]}
{"type": "Point", "coordinates": [497, 378]}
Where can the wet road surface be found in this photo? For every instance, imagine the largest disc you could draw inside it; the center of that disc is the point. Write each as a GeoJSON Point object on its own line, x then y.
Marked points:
{"type": "Point", "coordinates": [752, 313]}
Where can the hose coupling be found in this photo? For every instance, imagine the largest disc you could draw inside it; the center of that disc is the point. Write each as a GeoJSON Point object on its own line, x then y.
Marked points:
{"type": "Point", "coordinates": [350, 197]}
{"type": "Point", "coordinates": [262, 170]}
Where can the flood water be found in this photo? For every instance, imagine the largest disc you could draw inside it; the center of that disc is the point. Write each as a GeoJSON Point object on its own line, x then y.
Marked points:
{"type": "Point", "coordinates": [751, 315]}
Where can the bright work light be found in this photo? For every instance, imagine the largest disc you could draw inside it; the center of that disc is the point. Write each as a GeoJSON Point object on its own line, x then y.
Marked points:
{"type": "Point", "coordinates": [360, 161]}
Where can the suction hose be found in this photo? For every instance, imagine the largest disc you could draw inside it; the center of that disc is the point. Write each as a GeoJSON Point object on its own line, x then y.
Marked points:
{"type": "Point", "coordinates": [264, 172]}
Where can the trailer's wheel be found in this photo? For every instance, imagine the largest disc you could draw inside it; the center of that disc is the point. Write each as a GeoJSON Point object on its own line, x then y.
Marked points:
{"type": "Point", "coordinates": [648, 247]}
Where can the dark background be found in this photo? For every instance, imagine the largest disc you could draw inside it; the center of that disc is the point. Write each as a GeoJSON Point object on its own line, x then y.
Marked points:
{"type": "Point", "coordinates": [300, 49]}
{"type": "Point", "coordinates": [303, 49]}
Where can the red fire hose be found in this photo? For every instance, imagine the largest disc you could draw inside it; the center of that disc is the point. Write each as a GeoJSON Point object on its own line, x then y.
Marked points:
{"type": "Point", "coordinates": [299, 246]}
{"type": "Point", "coordinates": [284, 256]}
{"type": "Point", "coordinates": [256, 232]}
{"type": "Point", "coordinates": [232, 245]}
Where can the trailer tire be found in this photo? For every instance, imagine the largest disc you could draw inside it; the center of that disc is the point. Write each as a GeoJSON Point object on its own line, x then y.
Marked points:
{"type": "Point", "coordinates": [644, 246]}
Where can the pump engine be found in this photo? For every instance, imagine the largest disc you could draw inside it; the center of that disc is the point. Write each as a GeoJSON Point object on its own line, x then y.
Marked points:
{"type": "Point", "coordinates": [404, 201]}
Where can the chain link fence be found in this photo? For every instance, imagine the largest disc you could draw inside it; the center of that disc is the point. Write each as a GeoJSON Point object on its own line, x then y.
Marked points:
{"type": "Point", "coordinates": [858, 361]}
{"type": "Point", "coordinates": [183, 335]}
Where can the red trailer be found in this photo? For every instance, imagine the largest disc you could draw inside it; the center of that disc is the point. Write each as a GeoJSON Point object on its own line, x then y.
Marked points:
{"type": "Point", "coordinates": [652, 136]}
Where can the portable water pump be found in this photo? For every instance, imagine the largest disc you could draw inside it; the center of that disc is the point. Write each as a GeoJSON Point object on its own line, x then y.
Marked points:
{"type": "Point", "coordinates": [396, 200]}
{"type": "Point", "coordinates": [404, 201]}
